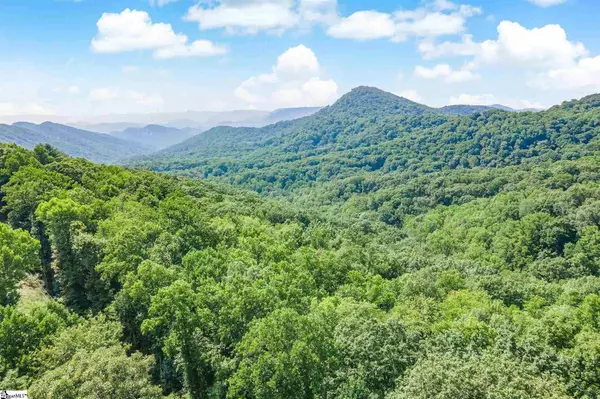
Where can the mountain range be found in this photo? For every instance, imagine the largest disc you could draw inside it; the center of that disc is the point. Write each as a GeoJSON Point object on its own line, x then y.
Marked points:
{"type": "Point", "coordinates": [201, 120]}
{"type": "Point", "coordinates": [373, 131]}
{"type": "Point", "coordinates": [156, 136]}
{"type": "Point", "coordinates": [75, 142]}
{"type": "Point", "coordinates": [202, 135]}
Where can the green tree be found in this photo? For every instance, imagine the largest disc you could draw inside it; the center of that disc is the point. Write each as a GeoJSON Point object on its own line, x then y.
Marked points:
{"type": "Point", "coordinates": [19, 255]}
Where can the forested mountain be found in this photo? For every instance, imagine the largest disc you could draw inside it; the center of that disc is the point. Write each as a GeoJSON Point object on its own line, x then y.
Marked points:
{"type": "Point", "coordinates": [75, 142]}
{"type": "Point", "coordinates": [400, 136]}
{"type": "Point", "coordinates": [156, 136]}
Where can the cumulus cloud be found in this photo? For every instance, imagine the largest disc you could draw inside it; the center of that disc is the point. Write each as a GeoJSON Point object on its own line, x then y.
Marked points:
{"type": "Point", "coordinates": [467, 47]}
{"type": "Point", "coordinates": [547, 3]}
{"type": "Point", "coordinates": [364, 25]}
{"type": "Point", "coordinates": [245, 16]}
{"type": "Point", "coordinates": [297, 60]}
{"type": "Point", "coordinates": [542, 48]}
{"type": "Point", "coordinates": [438, 19]}
{"type": "Point", "coordinates": [134, 30]}
{"type": "Point", "coordinates": [295, 80]}
{"type": "Point", "coordinates": [445, 73]}
{"type": "Point", "coordinates": [253, 16]}
{"type": "Point", "coordinates": [547, 46]}
{"type": "Point", "coordinates": [424, 23]}
{"type": "Point", "coordinates": [584, 74]}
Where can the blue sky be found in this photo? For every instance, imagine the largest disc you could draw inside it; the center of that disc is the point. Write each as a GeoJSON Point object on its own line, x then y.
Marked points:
{"type": "Point", "coordinates": [93, 57]}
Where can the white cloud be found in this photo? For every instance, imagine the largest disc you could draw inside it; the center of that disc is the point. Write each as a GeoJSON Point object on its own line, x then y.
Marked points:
{"type": "Point", "coordinates": [547, 3]}
{"type": "Point", "coordinates": [10, 109]}
{"type": "Point", "coordinates": [245, 16]}
{"type": "Point", "coordinates": [438, 19]}
{"type": "Point", "coordinates": [423, 23]}
{"type": "Point", "coordinates": [294, 81]}
{"type": "Point", "coordinates": [467, 47]}
{"type": "Point", "coordinates": [133, 30]}
{"type": "Point", "coordinates": [364, 25]}
{"type": "Point", "coordinates": [296, 60]}
{"type": "Point", "coordinates": [123, 96]}
{"type": "Point", "coordinates": [541, 48]}
{"type": "Point", "coordinates": [130, 69]}
{"type": "Point", "coordinates": [473, 99]}
{"type": "Point", "coordinates": [585, 74]}
{"type": "Point", "coordinates": [323, 11]}
{"type": "Point", "coordinates": [199, 48]}
{"type": "Point", "coordinates": [490, 99]}
{"type": "Point", "coordinates": [145, 99]}
{"type": "Point", "coordinates": [544, 47]}
{"type": "Point", "coordinates": [319, 91]}
{"type": "Point", "coordinates": [253, 16]}
{"type": "Point", "coordinates": [446, 73]}
{"type": "Point", "coordinates": [102, 94]}
{"type": "Point", "coordinates": [73, 90]}
{"type": "Point", "coordinates": [161, 3]}
{"type": "Point", "coordinates": [411, 94]}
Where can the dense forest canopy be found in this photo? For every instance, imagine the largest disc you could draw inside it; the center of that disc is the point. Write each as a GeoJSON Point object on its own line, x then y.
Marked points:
{"type": "Point", "coordinates": [398, 253]}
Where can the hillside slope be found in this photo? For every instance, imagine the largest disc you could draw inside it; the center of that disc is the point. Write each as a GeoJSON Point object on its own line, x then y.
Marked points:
{"type": "Point", "coordinates": [482, 281]}
{"type": "Point", "coordinates": [75, 142]}
{"type": "Point", "coordinates": [369, 130]}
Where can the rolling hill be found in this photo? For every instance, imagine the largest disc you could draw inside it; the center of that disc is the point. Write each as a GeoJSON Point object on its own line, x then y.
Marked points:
{"type": "Point", "coordinates": [74, 142]}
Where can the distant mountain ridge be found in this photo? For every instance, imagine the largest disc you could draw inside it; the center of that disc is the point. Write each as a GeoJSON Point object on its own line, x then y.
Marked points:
{"type": "Point", "coordinates": [372, 130]}
{"type": "Point", "coordinates": [74, 142]}
{"type": "Point", "coordinates": [156, 136]}
{"type": "Point", "coordinates": [361, 102]}
{"type": "Point", "coordinates": [200, 120]}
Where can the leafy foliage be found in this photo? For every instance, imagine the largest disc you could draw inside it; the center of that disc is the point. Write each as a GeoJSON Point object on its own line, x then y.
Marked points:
{"type": "Point", "coordinates": [471, 268]}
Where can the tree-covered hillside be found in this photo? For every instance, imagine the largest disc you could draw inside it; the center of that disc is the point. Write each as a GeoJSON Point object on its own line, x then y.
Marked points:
{"type": "Point", "coordinates": [364, 117]}
{"type": "Point", "coordinates": [75, 142]}
{"type": "Point", "coordinates": [409, 256]}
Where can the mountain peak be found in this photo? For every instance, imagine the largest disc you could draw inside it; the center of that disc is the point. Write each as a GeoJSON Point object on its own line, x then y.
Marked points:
{"type": "Point", "coordinates": [371, 101]}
